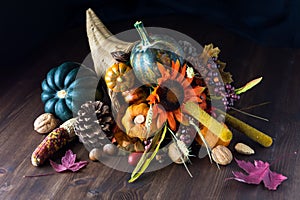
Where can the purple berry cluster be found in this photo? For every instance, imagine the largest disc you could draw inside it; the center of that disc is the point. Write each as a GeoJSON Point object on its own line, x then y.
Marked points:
{"type": "Point", "coordinates": [147, 143]}
{"type": "Point", "coordinates": [211, 76]}
{"type": "Point", "coordinates": [231, 96]}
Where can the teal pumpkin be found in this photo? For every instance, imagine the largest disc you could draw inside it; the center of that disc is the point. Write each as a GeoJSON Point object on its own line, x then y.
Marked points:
{"type": "Point", "coordinates": [150, 50]}
{"type": "Point", "coordinates": [66, 87]}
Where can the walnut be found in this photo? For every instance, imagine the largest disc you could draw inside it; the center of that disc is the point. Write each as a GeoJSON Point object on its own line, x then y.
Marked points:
{"type": "Point", "coordinates": [45, 123]}
{"type": "Point", "coordinates": [221, 155]}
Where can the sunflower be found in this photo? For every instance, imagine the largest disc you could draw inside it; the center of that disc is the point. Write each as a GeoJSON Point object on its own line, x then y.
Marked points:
{"type": "Point", "coordinates": [170, 94]}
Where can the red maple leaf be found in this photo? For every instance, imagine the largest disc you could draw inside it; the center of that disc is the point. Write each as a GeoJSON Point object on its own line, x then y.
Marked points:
{"type": "Point", "coordinates": [257, 172]}
{"type": "Point", "coordinates": [68, 163]}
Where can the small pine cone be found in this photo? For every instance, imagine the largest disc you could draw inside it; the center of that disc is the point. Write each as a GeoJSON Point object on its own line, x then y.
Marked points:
{"type": "Point", "coordinates": [94, 124]}
{"type": "Point", "coordinates": [121, 56]}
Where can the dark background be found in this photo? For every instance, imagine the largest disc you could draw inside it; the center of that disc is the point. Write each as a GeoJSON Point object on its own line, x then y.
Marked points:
{"type": "Point", "coordinates": [27, 25]}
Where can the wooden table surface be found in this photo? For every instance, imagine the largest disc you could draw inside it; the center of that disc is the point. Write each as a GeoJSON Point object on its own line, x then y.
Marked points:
{"type": "Point", "coordinates": [20, 105]}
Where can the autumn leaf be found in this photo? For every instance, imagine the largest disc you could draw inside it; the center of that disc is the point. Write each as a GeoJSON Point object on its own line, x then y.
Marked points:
{"type": "Point", "coordinates": [257, 172]}
{"type": "Point", "coordinates": [226, 76]}
{"type": "Point", "coordinates": [68, 163]}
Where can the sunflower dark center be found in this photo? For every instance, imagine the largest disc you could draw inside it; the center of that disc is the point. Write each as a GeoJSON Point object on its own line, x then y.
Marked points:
{"type": "Point", "coordinates": [171, 95]}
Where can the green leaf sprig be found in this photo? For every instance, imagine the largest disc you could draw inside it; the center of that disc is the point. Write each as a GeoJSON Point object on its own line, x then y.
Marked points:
{"type": "Point", "coordinates": [145, 161]}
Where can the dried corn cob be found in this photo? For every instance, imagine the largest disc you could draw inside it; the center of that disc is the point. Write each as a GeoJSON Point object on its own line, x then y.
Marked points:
{"type": "Point", "coordinates": [58, 138]}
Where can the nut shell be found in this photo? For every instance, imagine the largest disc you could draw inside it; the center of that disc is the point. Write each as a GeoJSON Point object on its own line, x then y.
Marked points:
{"type": "Point", "coordinates": [221, 155]}
{"type": "Point", "coordinates": [45, 123]}
{"type": "Point", "coordinates": [244, 149]}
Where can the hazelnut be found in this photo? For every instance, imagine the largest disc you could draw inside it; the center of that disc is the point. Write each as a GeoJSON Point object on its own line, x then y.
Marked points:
{"type": "Point", "coordinates": [95, 154]}
{"type": "Point", "coordinates": [45, 123]}
{"type": "Point", "coordinates": [110, 149]}
{"type": "Point", "coordinates": [244, 149]}
{"type": "Point", "coordinates": [221, 155]}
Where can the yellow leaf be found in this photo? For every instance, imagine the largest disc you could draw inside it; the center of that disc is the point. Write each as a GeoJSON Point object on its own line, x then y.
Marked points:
{"type": "Point", "coordinates": [248, 86]}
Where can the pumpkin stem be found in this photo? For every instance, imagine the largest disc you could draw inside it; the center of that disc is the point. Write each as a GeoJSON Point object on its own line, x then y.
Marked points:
{"type": "Point", "coordinates": [146, 40]}
{"type": "Point", "coordinates": [119, 79]}
{"type": "Point", "coordinates": [61, 94]}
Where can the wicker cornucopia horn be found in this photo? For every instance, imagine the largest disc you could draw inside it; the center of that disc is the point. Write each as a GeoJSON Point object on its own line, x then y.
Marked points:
{"type": "Point", "coordinates": [102, 43]}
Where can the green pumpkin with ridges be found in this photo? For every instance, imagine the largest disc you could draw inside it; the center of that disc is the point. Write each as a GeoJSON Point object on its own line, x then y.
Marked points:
{"type": "Point", "coordinates": [66, 87]}
{"type": "Point", "coordinates": [150, 50]}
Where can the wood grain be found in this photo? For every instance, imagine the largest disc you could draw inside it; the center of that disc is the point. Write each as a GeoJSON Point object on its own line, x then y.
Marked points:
{"type": "Point", "coordinates": [20, 105]}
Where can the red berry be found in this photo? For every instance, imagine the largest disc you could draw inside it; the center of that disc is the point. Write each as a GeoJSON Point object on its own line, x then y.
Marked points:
{"type": "Point", "coordinates": [134, 158]}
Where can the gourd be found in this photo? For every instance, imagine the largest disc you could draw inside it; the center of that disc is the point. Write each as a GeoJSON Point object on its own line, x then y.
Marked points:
{"type": "Point", "coordinates": [119, 77]}
{"type": "Point", "coordinates": [134, 121]}
{"type": "Point", "coordinates": [211, 139]}
{"type": "Point", "coordinates": [66, 87]}
{"type": "Point", "coordinates": [149, 51]}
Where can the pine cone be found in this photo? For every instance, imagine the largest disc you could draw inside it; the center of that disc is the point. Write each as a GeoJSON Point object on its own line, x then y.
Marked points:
{"type": "Point", "coordinates": [94, 124]}
{"type": "Point", "coordinates": [121, 56]}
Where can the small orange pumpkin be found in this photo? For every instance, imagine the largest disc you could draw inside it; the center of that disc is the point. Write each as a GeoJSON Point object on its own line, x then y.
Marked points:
{"type": "Point", "coordinates": [134, 121]}
{"type": "Point", "coordinates": [119, 77]}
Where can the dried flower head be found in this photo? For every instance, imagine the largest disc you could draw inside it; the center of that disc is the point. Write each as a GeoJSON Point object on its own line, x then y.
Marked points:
{"type": "Point", "coordinates": [172, 91]}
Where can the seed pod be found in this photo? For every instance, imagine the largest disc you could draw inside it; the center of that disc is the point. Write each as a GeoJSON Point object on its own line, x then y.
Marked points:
{"type": "Point", "coordinates": [244, 149]}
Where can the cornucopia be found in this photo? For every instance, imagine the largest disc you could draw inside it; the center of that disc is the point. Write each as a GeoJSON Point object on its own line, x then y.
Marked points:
{"type": "Point", "coordinates": [165, 101]}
